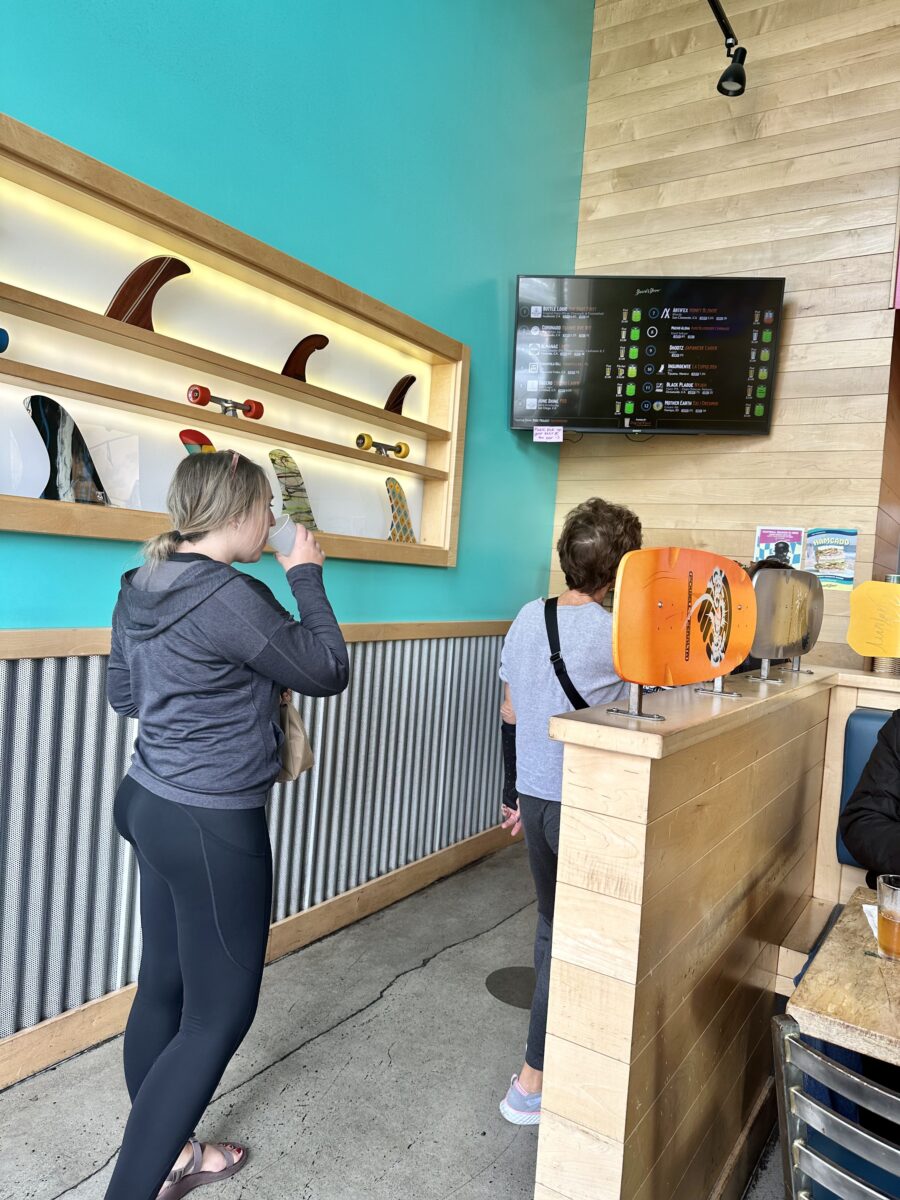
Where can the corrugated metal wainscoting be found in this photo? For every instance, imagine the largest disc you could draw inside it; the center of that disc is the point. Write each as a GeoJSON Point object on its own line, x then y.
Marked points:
{"type": "Point", "coordinates": [407, 762]}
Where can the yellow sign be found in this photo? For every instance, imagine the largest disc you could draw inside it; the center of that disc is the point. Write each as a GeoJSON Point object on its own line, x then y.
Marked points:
{"type": "Point", "coordinates": [874, 630]}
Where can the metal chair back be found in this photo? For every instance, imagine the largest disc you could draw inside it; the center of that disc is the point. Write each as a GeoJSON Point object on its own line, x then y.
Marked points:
{"type": "Point", "coordinates": [799, 1112]}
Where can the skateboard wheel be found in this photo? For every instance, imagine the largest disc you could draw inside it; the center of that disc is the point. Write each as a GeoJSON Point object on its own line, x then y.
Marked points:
{"type": "Point", "coordinates": [401, 450]}
{"type": "Point", "coordinates": [364, 441]}
{"type": "Point", "coordinates": [4, 340]}
{"type": "Point", "coordinates": [199, 395]}
{"type": "Point", "coordinates": [253, 409]}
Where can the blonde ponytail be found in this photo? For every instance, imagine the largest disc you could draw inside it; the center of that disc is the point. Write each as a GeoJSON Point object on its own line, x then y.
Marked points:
{"type": "Point", "coordinates": [208, 491]}
{"type": "Point", "coordinates": [158, 548]}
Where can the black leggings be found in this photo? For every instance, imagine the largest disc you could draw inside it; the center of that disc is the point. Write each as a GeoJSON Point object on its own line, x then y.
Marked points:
{"type": "Point", "coordinates": [540, 821]}
{"type": "Point", "coordinates": [206, 900]}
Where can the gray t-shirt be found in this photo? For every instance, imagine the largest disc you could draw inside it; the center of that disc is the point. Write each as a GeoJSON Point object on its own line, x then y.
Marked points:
{"type": "Point", "coordinates": [585, 641]}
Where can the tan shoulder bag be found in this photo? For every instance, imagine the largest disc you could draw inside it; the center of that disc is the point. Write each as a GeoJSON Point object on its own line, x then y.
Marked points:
{"type": "Point", "coordinates": [296, 752]}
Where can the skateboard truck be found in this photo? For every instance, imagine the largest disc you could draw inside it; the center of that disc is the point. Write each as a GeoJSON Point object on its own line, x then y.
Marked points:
{"type": "Point", "coordinates": [365, 441]}
{"type": "Point", "coordinates": [202, 396]}
{"type": "Point", "coordinates": [717, 688]}
{"type": "Point", "coordinates": [635, 708]}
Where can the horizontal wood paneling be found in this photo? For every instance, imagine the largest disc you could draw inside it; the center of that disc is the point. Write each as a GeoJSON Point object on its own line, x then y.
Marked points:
{"type": "Point", "coordinates": [670, 911]}
{"type": "Point", "coordinates": [799, 177]}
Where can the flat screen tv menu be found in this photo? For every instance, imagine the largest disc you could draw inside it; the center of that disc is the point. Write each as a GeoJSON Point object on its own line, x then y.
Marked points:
{"type": "Point", "coordinates": [657, 355]}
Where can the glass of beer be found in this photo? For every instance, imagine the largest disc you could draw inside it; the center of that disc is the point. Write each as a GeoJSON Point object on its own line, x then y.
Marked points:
{"type": "Point", "coordinates": [889, 916]}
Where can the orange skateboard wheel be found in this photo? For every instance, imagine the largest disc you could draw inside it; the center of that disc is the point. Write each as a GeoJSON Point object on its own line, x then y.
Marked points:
{"type": "Point", "coordinates": [253, 409]}
{"type": "Point", "coordinates": [198, 394]}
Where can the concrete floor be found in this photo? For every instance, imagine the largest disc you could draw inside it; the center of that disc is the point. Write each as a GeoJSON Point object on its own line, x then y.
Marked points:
{"type": "Point", "coordinates": [768, 1181]}
{"type": "Point", "coordinates": [374, 1067]}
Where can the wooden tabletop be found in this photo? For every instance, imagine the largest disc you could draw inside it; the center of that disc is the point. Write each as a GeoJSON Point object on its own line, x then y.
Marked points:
{"type": "Point", "coordinates": [850, 996]}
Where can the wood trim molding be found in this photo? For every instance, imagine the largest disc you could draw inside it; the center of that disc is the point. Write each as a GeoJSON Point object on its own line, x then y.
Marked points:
{"type": "Point", "coordinates": [410, 631]}
{"type": "Point", "coordinates": [23, 514]}
{"type": "Point", "coordinates": [745, 1154]}
{"type": "Point", "coordinates": [32, 1050]}
{"type": "Point", "coordinates": [74, 643]}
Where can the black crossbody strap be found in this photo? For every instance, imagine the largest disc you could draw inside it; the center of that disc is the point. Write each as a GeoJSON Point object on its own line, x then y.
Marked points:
{"type": "Point", "coordinates": [550, 620]}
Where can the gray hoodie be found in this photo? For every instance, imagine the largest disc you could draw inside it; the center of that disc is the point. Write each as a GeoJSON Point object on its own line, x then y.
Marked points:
{"type": "Point", "coordinates": [199, 655]}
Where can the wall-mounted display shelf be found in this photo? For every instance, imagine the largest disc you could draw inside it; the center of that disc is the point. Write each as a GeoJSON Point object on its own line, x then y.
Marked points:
{"type": "Point", "coordinates": [116, 300]}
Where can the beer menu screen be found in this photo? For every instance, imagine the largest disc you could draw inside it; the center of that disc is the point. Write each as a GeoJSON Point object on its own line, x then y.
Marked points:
{"type": "Point", "coordinates": [619, 354]}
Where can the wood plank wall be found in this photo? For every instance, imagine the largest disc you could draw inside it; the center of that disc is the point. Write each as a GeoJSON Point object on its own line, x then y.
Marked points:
{"type": "Point", "coordinates": [887, 528]}
{"type": "Point", "coordinates": [665, 949]}
{"type": "Point", "coordinates": [799, 177]}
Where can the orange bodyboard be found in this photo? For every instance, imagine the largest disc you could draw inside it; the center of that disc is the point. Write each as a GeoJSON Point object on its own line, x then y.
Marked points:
{"type": "Point", "coordinates": [680, 616]}
{"type": "Point", "coordinates": [874, 630]}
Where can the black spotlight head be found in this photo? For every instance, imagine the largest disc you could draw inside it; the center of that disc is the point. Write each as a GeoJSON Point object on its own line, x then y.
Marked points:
{"type": "Point", "coordinates": [734, 77]}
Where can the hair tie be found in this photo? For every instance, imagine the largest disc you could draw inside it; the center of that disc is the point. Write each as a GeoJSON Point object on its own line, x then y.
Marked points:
{"type": "Point", "coordinates": [178, 534]}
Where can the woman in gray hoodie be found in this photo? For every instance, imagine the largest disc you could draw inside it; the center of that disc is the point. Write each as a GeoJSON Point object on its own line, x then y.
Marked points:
{"type": "Point", "coordinates": [200, 653]}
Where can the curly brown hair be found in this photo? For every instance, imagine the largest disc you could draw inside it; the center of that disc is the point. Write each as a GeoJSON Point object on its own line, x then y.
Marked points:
{"type": "Point", "coordinates": [594, 539]}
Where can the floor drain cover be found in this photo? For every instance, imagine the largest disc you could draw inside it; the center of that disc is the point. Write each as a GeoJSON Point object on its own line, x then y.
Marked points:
{"type": "Point", "coordinates": [512, 985]}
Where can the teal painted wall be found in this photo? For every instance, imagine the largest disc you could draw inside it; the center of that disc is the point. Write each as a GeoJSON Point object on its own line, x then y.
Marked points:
{"type": "Point", "coordinates": [424, 151]}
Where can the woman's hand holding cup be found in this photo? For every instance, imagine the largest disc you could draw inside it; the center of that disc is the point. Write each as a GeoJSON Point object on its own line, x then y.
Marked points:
{"type": "Point", "coordinates": [294, 553]}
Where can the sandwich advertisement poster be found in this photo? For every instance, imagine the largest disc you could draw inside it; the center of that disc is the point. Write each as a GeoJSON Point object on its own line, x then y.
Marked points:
{"type": "Point", "coordinates": [831, 554]}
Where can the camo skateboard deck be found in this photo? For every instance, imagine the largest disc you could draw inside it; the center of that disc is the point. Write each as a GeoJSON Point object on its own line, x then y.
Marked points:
{"type": "Point", "coordinates": [790, 605]}
{"type": "Point", "coordinates": [680, 616]}
{"type": "Point", "coordinates": [874, 630]}
{"type": "Point", "coordinates": [401, 521]}
{"type": "Point", "coordinates": [293, 489]}
{"type": "Point", "coordinates": [73, 476]}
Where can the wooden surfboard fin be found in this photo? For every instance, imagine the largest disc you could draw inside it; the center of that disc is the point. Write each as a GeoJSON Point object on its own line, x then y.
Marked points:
{"type": "Point", "coordinates": [395, 400]}
{"type": "Point", "coordinates": [298, 359]}
{"type": "Point", "coordinates": [133, 302]}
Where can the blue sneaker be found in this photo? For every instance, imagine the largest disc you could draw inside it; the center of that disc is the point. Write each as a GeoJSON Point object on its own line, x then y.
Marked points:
{"type": "Point", "coordinates": [521, 1107]}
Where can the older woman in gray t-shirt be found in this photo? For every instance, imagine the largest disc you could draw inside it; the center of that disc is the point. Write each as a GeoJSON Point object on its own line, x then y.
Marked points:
{"type": "Point", "coordinates": [594, 539]}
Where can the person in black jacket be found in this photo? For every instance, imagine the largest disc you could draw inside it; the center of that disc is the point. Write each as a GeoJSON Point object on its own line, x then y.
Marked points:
{"type": "Point", "coordinates": [870, 823]}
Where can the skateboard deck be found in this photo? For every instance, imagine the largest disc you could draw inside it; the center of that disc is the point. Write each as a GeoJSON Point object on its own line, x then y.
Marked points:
{"type": "Point", "coordinates": [73, 476]}
{"type": "Point", "coordinates": [401, 521]}
{"type": "Point", "coordinates": [293, 489]}
{"type": "Point", "coordinates": [789, 609]}
{"type": "Point", "coordinates": [133, 302]}
{"type": "Point", "coordinates": [680, 616]}
{"type": "Point", "coordinates": [874, 630]}
{"type": "Point", "coordinates": [196, 442]}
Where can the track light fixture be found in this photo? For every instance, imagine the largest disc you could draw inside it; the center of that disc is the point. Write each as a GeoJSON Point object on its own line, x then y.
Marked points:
{"type": "Point", "coordinates": [733, 81]}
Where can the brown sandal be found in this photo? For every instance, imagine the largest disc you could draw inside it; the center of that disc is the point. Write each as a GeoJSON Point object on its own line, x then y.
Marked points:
{"type": "Point", "coordinates": [184, 1179]}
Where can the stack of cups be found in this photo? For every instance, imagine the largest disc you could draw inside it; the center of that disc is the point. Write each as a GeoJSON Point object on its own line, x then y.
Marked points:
{"type": "Point", "coordinates": [887, 666]}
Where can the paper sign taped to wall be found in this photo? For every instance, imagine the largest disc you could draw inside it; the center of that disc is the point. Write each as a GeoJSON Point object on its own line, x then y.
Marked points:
{"type": "Point", "coordinates": [548, 433]}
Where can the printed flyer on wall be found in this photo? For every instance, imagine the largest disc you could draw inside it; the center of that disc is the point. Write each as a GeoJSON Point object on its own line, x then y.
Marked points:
{"type": "Point", "coordinates": [831, 554]}
{"type": "Point", "coordinates": [782, 543]}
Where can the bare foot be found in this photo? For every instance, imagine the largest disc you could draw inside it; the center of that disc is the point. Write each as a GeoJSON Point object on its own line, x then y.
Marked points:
{"type": "Point", "coordinates": [213, 1159]}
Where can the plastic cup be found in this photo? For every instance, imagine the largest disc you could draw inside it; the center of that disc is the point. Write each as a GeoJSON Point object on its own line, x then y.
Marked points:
{"type": "Point", "coordinates": [889, 916]}
{"type": "Point", "coordinates": [283, 534]}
